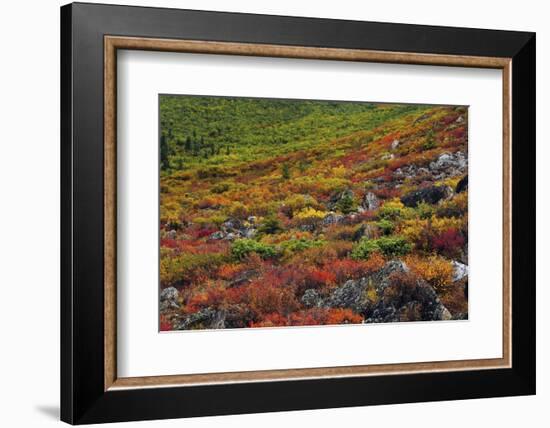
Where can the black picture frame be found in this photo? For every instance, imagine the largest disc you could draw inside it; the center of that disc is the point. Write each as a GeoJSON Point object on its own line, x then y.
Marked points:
{"type": "Point", "coordinates": [83, 398]}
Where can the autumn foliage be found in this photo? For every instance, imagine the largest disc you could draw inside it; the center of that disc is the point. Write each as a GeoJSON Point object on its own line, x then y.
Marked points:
{"type": "Point", "coordinates": [263, 202]}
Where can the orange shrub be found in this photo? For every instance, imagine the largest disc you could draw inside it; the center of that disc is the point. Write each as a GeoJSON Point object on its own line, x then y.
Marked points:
{"type": "Point", "coordinates": [229, 271]}
{"type": "Point", "coordinates": [268, 299]}
{"type": "Point", "coordinates": [342, 316]}
{"type": "Point", "coordinates": [319, 278]}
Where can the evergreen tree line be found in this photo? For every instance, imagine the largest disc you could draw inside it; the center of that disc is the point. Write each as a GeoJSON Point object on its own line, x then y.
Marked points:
{"type": "Point", "coordinates": [196, 146]}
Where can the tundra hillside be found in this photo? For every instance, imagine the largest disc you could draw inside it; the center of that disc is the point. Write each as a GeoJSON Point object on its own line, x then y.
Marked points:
{"type": "Point", "coordinates": [290, 213]}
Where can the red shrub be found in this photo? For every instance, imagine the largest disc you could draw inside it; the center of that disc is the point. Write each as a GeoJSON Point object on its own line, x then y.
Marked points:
{"type": "Point", "coordinates": [165, 325]}
{"type": "Point", "coordinates": [449, 242]}
{"type": "Point", "coordinates": [205, 232]}
{"type": "Point", "coordinates": [169, 243]}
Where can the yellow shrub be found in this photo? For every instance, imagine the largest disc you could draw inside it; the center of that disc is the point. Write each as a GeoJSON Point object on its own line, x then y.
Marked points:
{"type": "Point", "coordinates": [339, 171]}
{"type": "Point", "coordinates": [310, 214]}
{"type": "Point", "coordinates": [435, 270]}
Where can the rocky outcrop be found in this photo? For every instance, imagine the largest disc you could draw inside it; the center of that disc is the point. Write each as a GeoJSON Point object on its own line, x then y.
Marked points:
{"type": "Point", "coordinates": [207, 318]}
{"type": "Point", "coordinates": [449, 165]}
{"type": "Point", "coordinates": [412, 172]}
{"type": "Point", "coordinates": [389, 295]}
{"type": "Point", "coordinates": [430, 195]}
{"type": "Point", "coordinates": [312, 298]}
{"type": "Point", "coordinates": [235, 229]}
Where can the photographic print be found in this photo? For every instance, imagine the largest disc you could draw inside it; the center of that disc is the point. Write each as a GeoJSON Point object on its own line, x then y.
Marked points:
{"type": "Point", "coordinates": [284, 212]}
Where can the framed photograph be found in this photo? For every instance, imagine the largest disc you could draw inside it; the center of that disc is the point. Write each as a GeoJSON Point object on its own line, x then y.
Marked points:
{"type": "Point", "coordinates": [266, 213]}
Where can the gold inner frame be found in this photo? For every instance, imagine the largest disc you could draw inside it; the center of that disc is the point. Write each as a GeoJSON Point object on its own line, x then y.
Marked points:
{"type": "Point", "coordinates": [113, 43]}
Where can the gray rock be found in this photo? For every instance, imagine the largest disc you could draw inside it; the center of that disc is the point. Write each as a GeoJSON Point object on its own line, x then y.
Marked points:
{"type": "Point", "coordinates": [370, 202]}
{"type": "Point", "coordinates": [217, 235]}
{"type": "Point", "coordinates": [249, 233]}
{"type": "Point", "coordinates": [252, 219]}
{"type": "Point", "coordinates": [449, 165]}
{"type": "Point", "coordinates": [350, 295]}
{"type": "Point", "coordinates": [395, 144]}
{"type": "Point", "coordinates": [231, 236]}
{"type": "Point", "coordinates": [460, 270]}
{"type": "Point", "coordinates": [332, 218]}
{"type": "Point", "coordinates": [169, 299]}
{"type": "Point", "coordinates": [312, 298]}
{"type": "Point", "coordinates": [231, 225]}
{"type": "Point", "coordinates": [171, 234]}
{"type": "Point", "coordinates": [353, 294]}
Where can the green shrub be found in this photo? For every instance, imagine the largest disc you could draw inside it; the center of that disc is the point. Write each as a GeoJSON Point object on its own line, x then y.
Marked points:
{"type": "Point", "coordinates": [346, 204]}
{"type": "Point", "coordinates": [424, 210]}
{"type": "Point", "coordinates": [390, 211]}
{"type": "Point", "coordinates": [386, 226]}
{"type": "Point", "coordinates": [186, 267]}
{"type": "Point", "coordinates": [285, 171]}
{"type": "Point", "coordinates": [221, 187]}
{"type": "Point", "coordinates": [394, 245]}
{"type": "Point", "coordinates": [243, 247]}
{"type": "Point", "coordinates": [364, 248]}
{"type": "Point", "coordinates": [388, 245]}
{"type": "Point", "coordinates": [296, 245]}
{"type": "Point", "coordinates": [270, 226]}
{"type": "Point", "coordinates": [429, 142]}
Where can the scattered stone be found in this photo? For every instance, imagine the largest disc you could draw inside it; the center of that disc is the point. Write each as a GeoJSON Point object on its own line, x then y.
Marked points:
{"type": "Point", "coordinates": [459, 119]}
{"type": "Point", "coordinates": [460, 270]}
{"type": "Point", "coordinates": [249, 233]}
{"type": "Point", "coordinates": [232, 225]}
{"type": "Point", "coordinates": [169, 299]}
{"type": "Point", "coordinates": [430, 195]}
{"type": "Point", "coordinates": [171, 234]}
{"type": "Point", "coordinates": [332, 218]}
{"type": "Point", "coordinates": [395, 144]}
{"type": "Point", "coordinates": [217, 235]}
